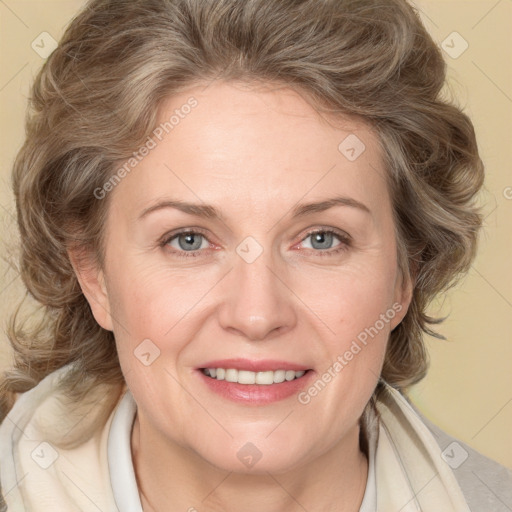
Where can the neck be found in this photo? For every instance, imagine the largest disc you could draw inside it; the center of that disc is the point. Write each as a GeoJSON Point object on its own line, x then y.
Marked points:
{"type": "Point", "coordinates": [171, 477]}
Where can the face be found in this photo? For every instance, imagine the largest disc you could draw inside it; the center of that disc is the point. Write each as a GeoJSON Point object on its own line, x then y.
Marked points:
{"type": "Point", "coordinates": [256, 239]}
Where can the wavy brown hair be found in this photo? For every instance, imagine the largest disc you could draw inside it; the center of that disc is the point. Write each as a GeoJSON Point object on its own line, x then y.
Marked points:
{"type": "Point", "coordinates": [96, 100]}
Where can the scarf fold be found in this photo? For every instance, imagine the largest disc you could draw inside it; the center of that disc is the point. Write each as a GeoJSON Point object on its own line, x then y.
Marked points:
{"type": "Point", "coordinates": [411, 474]}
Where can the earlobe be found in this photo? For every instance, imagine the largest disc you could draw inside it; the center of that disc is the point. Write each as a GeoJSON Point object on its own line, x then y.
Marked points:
{"type": "Point", "coordinates": [92, 282]}
{"type": "Point", "coordinates": [403, 298]}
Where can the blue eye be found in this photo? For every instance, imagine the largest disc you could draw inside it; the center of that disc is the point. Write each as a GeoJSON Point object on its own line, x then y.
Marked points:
{"type": "Point", "coordinates": [189, 243]}
{"type": "Point", "coordinates": [322, 240]}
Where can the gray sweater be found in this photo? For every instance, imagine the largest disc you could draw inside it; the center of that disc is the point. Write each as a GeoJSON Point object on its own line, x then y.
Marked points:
{"type": "Point", "coordinates": [487, 485]}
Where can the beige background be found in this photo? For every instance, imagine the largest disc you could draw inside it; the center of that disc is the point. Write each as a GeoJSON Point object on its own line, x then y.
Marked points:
{"type": "Point", "coordinates": [468, 391]}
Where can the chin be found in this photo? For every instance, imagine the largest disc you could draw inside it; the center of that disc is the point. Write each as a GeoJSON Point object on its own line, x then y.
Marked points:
{"type": "Point", "coordinates": [257, 457]}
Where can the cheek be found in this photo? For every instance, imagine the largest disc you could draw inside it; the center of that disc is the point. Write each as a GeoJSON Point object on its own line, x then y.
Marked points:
{"type": "Point", "coordinates": [153, 313]}
{"type": "Point", "coordinates": [358, 313]}
{"type": "Point", "coordinates": [354, 309]}
{"type": "Point", "coordinates": [151, 299]}
{"type": "Point", "coordinates": [348, 300]}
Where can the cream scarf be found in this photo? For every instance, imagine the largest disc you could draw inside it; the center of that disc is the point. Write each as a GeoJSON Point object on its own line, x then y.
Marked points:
{"type": "Point", "coordinates": [36, 476]}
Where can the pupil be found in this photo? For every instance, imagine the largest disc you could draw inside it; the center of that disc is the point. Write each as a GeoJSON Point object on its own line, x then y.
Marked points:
{"type": "Point", "coordinates": [190, 242]}
{"type": "Point", "coordinates": [322, 238]}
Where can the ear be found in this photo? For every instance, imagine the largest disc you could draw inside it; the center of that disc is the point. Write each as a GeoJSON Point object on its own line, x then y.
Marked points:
{"type": "Point", "coordinates": [404, 288]}
{"type": "Point", "coordinates": [92, 282]}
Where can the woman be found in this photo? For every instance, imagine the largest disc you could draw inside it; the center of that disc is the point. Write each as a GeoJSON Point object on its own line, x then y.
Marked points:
{"type": "Point", "coordinates": [235, 215]}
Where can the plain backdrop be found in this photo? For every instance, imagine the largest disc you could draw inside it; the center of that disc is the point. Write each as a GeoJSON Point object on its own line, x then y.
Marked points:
{"type": "Point", "coordinates": [468, 391]}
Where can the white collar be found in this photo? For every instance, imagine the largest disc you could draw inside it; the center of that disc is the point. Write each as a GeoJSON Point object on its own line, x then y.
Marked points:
{"type": "Point", "coordinates": [122, 474]}
{"type": "Point", "coordinates": [119, 453]}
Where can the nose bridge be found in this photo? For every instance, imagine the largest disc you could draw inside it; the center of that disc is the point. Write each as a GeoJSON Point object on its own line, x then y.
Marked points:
{"type": "Point", "coordinates": [257, 302]}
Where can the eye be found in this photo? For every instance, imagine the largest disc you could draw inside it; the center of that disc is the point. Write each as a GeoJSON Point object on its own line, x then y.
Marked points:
{"type": "Point", "coordinates": [189, 243]}
{"type": "Point", "coordinates": [186, 242]}
{"type": "Point", "coordinates": [322, 241]}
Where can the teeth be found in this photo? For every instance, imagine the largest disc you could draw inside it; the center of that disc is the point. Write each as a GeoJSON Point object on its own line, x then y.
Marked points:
{"type": "Point", "coordinates": [248, 377]}
{"type": "Point", "coordinates": [245, 377]}
{"type": "Point", "coordinates": [279, 376]}
{"type": "Point", "coordinates": [231, 375]}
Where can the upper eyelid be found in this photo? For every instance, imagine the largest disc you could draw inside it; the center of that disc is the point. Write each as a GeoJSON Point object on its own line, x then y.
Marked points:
{"type": "Point", "coordinates": [171, 235]}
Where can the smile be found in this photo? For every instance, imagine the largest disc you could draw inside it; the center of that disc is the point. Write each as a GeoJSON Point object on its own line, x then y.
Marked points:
{"type": "Point", "coordinates": [265, 378]}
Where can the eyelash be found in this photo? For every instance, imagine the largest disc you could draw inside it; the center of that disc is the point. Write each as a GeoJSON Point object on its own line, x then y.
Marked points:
{"type": "Point", "coordinates": [343, 238]}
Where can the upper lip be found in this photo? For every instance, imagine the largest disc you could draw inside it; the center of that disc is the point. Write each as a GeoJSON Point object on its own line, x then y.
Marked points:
{"type": "Point", "coordinates": [254, 366]}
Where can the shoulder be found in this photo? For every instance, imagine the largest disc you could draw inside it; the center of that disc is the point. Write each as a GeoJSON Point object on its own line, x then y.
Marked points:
{"type": "Point", "coordinates": [59, 444]}
{"type": "Point", "coordinates": [486, 484]}
{"type": "Point", "coordinates": [60, 417]}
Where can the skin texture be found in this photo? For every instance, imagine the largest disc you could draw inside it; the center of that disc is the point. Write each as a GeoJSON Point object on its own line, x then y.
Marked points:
{"type": "Point", "coordinates": [254, 154]}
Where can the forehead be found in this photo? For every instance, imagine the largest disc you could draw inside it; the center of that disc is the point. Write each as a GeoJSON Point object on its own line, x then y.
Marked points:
{"type": "Point", "coordinates": [233, 144]}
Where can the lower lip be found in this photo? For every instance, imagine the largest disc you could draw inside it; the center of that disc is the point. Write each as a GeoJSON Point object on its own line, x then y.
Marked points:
{"type": "Point", "coordinates": [256, 394]}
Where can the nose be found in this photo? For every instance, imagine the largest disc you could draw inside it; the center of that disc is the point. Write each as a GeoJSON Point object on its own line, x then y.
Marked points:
{"type": "Point", "coordinates": [258, 304]}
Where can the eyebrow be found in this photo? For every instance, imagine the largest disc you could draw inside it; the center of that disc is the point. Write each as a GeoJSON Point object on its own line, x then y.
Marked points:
{"type": "Point", "coordinates": [210, 212]}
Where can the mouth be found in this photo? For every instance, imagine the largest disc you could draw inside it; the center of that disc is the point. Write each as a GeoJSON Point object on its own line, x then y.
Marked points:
{"type": "Point", "coordinates": [254, 382]}
{"type": "Point", "coordinates": [248, 377]}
